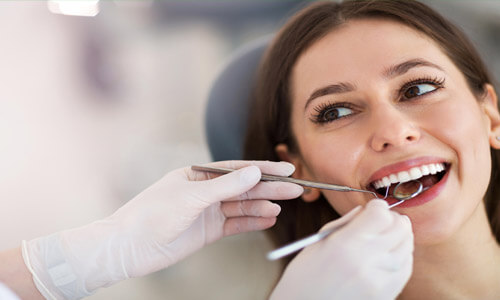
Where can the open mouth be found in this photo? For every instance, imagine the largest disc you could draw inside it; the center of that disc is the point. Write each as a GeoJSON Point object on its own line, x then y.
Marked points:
{"type": "Point", "coordinates": [428, 175]}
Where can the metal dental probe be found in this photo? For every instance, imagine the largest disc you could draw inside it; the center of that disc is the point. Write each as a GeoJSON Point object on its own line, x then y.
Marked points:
{"type": "Point", "coordinates": [266, 177]}
{"type": "Point", "coordinates": [311, 239]}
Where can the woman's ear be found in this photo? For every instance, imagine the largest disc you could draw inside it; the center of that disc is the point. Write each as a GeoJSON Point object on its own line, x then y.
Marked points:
{"type": "Point", "coordinates": [310, 194]}
{"type": "Point", "coordinates": [490, 106]}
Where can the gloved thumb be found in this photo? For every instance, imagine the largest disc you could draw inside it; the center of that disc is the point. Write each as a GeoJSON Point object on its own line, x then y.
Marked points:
{"type": "Point", "coordinates": [228, 186]}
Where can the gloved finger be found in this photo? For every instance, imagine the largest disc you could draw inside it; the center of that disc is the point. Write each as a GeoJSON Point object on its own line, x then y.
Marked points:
{"type": "Point", "coordinates": [393, 281]}
{"type": "Point", "coordinates": [406, 270]}
{"type": "Point", "coordinates": [245, 224]}
{"type": "Point", "coordinates": [383, 284]}
{"type": "Point", "coordinates": [225, 187]}
{"type": "Point", "coordinates": [391, 238]}
{"type": "Point", "coordinates": [244, 184]}
{"type": "Point", "coordinates": [342, 220]}
{"type": "Point", "coordinates": [267, 167]}
{"type": "Point", "coordinates": [405, 247]}
{"type": "Point", "coordinates": [398, 257]}
{"type": "Point", "coordinates": [250, 208]}
{"type": "Point", "coordinates": [371, 221]}
{"type": "Point", "coordinates": [330, 244]}
{"type": "Point", "coordinates": [271, 191]}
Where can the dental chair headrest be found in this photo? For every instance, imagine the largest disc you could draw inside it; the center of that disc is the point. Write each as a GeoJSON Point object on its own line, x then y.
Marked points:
{"type": "Point", "coordinates": [229, 101]}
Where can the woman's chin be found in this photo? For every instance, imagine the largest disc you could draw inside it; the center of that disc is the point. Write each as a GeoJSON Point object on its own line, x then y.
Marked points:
{"type": "Point", "coordinates": [434, 232]}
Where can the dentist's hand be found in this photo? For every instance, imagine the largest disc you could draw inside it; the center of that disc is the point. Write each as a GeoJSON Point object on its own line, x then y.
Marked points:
{"type": "Point", "coordinates": [369, 258]}
{"type": "Point", "coordinates": [173, 218]}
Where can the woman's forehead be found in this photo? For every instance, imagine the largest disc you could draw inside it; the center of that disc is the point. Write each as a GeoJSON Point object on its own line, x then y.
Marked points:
{"type": "Point", "coordinates": [364, 44]}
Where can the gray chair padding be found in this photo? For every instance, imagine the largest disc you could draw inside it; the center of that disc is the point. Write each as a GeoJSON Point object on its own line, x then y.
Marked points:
{"type": "Point", "coordinates": [228, 102]}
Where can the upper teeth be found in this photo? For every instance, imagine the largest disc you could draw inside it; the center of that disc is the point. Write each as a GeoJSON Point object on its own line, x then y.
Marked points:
{"type": "Point", "coordinates": [412, 174]}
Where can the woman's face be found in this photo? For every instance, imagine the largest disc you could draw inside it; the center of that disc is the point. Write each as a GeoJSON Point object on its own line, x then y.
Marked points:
{"type": "Point", "coordinates": [375, 101]}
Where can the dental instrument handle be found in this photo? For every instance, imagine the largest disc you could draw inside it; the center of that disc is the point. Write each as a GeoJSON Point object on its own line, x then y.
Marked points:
{"type": "Point", "coordinates": [309, 240]}
{"type": "Point", "coordinates": [302, 243]}
{"type": "Point", "coordinates": [265, 177]}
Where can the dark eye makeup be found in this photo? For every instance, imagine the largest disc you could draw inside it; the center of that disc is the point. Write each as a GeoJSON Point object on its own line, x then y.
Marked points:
{"type": "Point", "coordinates": [413, 89]}
{"type": "Point", "coordinates": [331, 111]}
{"type": "Point", "coordinates": [419, 87]}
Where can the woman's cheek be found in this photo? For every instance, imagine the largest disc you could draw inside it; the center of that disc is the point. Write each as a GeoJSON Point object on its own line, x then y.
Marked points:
{"type": "Point", "coordinates": [342, 202]}
{"type": "Point", "coordinates": [329, 163]}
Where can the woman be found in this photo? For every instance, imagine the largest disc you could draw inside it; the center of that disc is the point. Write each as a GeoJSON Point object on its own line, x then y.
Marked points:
{"type": "Point", "coordinates": [369, 93]}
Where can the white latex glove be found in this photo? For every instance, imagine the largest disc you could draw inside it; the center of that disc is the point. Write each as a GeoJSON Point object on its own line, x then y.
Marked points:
{"type": "Point", "coordinates": [173, 218]}
{"type": "Point", "coordinates": [369, 258]}
{"type": "Point", "coordinates": [6, 293]}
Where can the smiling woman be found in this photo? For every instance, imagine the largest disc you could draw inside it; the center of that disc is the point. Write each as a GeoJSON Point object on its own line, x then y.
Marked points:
{"type": "Point", "coordinates": [372, 93]}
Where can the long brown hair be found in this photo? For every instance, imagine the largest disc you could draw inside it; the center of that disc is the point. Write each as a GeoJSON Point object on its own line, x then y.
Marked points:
{"type": "Point", "coordinates": [269, 121]}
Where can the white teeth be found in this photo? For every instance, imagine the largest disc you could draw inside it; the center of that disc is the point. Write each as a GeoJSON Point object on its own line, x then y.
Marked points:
{"type": "Point", "coordinates": [415, 173]}
{"type": "Point", "coordinates": [425, 170]}
{"type": "Point", "coordinates": [412, 174]}
{"type": "Point", "coordinates": [404, 176]}
{"type": "Point", "coordinates": [393, 178]}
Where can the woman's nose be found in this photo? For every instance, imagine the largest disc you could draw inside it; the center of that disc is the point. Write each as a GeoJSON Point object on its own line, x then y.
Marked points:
{"type": "Point", "coordinates": [392, 128]}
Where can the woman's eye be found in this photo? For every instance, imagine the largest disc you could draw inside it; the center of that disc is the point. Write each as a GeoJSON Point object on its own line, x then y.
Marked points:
{"type": "Point", "coordinates": [332, 114]}
{"type": "Point", "coordinates": [419, 90]}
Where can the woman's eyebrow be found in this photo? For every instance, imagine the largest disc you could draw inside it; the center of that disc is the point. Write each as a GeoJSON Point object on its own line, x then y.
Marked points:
{"type": "Point", "coordinates": [404, 67]}
{"type": "Point", "coordinates": [338, 88]}
{"type": "Point", "coordinates": [392, 71]}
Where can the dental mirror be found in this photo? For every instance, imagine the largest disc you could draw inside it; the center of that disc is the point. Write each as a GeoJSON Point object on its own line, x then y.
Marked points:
{"type": "Point", "coordinates": [407, 190]}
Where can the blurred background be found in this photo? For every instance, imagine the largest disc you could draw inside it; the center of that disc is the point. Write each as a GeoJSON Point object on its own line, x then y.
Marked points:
{"type": "Point", "coordinates": [98, 101]}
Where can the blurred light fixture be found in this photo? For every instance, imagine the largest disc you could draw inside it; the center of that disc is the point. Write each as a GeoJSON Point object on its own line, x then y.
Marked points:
{"type": "Point", "coordinates": [85, 8]}
{"type": "Point", "coordinates": [134, 4]}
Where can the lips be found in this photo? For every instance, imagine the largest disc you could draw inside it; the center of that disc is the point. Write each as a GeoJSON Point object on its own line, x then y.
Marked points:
{"type": "Point", "coordinates": [426, 170]}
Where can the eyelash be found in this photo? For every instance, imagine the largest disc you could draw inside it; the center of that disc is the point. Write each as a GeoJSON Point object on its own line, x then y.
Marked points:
{"type": "Point", "coordinates": [438, 83]}
{"type": "Point", "coordinates": [323, 108]}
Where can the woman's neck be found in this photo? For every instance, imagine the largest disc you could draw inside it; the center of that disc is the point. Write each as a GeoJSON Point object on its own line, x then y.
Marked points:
{"type": "Point", "coordinates": [467, 266]}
